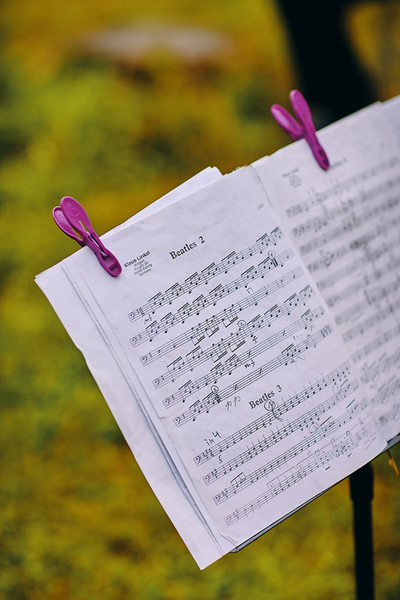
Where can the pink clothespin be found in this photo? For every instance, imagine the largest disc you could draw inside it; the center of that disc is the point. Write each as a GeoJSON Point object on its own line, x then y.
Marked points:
{"type": "Point", "coordinates": [304, 128]}
{"type": "Point", "coordinates": [72, 219]}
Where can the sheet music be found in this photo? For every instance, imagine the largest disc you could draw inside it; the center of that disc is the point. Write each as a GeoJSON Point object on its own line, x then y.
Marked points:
{"type": "Point", "coordinates": [234, 357]}
{"type": "Point", "coordinates": [346, 225]}
{"type": "Point", "coordinates": [159, 472]}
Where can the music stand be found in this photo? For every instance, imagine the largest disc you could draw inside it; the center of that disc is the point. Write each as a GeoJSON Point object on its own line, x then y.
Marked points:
{"type": "Point", "coordinates": [362, 494]}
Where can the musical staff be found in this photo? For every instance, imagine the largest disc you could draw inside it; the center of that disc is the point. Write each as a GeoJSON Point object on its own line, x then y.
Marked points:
{"type": "Point", "coordinates": [208, 273]}
{"type": "Point", "coordinates": [351, 222]}
{"type": "Point", "coordinates": [341, 187]}
{"type": "Point", "coordinates": [315, 224]}
{"type": "Point", "coordinates": [342, 273]}
{"type": "Point", "coordinates": [310, 418]}
{"type": "Point", "coordinates": [390, 416]}
{"type": "Point", "coordinates": [367, 278]}
{"type": "Point", "coordinates": [378, 342]}
{"type": "Point", "coordinates": [214, 296]}
{"type": "Point", "coordinates": [370, 257]}
{"type": "Point", "coordinates": [345, 293]}
{"type": "Point", "coordinates": [377, 317]}
{"type": "Point", "coordinates": [287, 356]}
{"type": "Point", "coordinates": [236, 361]}
{"type": "Point", "coordinates": [210, 326]}
{"type": "Point", "coordinates": [234, 340]}
{"type": "Point", "coordinates": [370, 298]}
{"type": "Point", "coordinates": [387, 391]}
{"type": "Point", "coordinates": [350, 241]}
{"type": "Point", "coordinates": [336, 448]}
{"type": "Point", "coordinates": [326, 428]}
{"type": "Point", "coordinates": [371, 372]}
{"type": "Point", "coordinates": [329, 257]}
{"type": "Point", "coordinates": [337, 376]}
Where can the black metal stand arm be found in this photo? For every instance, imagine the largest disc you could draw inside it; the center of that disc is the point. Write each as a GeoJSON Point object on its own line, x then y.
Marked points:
{"type": "Point", "coordinates": [362, 493]}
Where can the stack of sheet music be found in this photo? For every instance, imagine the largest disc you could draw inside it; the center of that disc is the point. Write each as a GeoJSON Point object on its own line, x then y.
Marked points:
{"type": "Point", "coordinates": [250, 349]}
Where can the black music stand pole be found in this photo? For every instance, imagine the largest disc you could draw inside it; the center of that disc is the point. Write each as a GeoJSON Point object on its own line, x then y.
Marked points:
{"type": "Point", "coordinates": [362, 493]}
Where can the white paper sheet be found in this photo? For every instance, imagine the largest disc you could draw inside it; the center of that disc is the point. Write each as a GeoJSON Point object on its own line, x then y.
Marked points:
{"type": "Point", "coordinates": [269, 382]}
{"type": "Point", "coordinates": [346, 224]}
{"type": "Point", "coordinates": [124, 405]}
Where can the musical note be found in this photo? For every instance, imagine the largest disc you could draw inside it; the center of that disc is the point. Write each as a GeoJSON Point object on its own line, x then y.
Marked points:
{"type": "Point", "coordinates": [359, 243]}
{"type": "Point", "coordinates": [387, 391]}
{"type": "Point", "coordinates": [235, 361]}
{"type": "Point", "coordinates": [215, 295]}
{"type": "Point", "coordinates": [344, 186]}
{"type": "Point", "coordinates": [342, 273]}
{"type": "Point", "coordinates": [236, 339]}
{"type": "Point", "coordinates": [345, 293]}
{"type": "Point", "coordinates": [208, 273]}
{"type": "Point", "coordinates": [193, 281]}
{"type": "Point", "coordinates": [376, 343]}
{"type": "Point", "coordinates": [330, 427]}
{"type": "Point", "coordinates": [290, 477]}
{"type": "Point", "coordinates": [295, 350]}
{"type": "Point", "coordinates": [350, 221]}
{"type": "Point", "coordinates": [267, 442]}
{"type": "Point", "coordinates": [372, 371]}
{"type": "Point", "coordinates": [376, 295]}
{"type": "Point", "coordinates": [370, 322]}
{"type": "Point", "coordinates": [390, 416]}
{"type": "Point", "coordinates": [348, 233]}
{"type": "Point", "coordinates": [197, 333]}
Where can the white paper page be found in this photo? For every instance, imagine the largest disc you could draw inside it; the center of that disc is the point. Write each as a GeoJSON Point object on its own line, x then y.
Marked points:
{"type": "Point", "coordinates": [392, 111]}
{"type": "Point", "coordinates": [346, 224]}
{"type": "Point", "coordinates": [213, 293]}
{"type": "Point", "coordinates": [198, 181]}
{"type": "Point", "coordinates": [124, 406]}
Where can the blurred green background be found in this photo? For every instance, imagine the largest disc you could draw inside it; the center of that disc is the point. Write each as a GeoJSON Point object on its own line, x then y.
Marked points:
{"type": "Point", "coordinates": [77, 518]}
